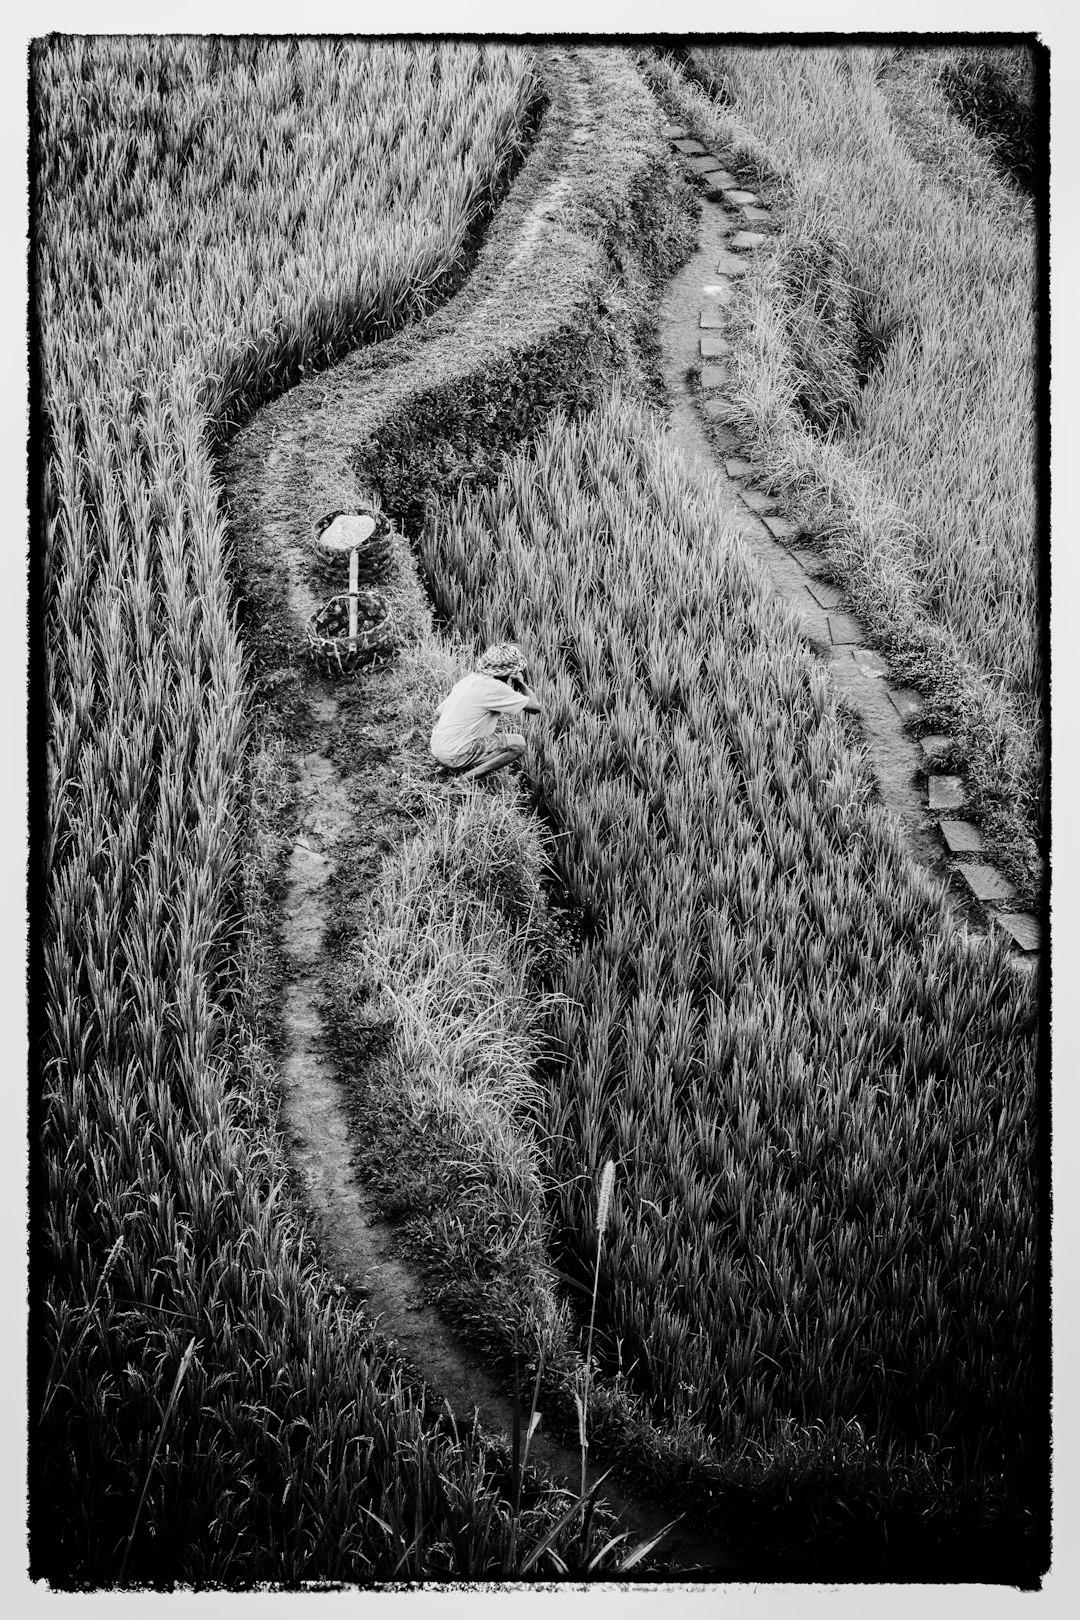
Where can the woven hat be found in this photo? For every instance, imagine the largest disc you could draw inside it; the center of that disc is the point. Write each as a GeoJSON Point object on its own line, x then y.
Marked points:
{"type": "Point", "coordinates": [503, 659]}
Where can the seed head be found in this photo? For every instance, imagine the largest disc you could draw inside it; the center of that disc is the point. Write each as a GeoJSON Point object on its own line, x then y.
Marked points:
{"type": "Point", "coordinates": [603, 1202]}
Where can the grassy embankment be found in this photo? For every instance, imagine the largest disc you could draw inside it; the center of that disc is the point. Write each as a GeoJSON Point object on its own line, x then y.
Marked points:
{"type": "Point", "coordinates": [819, 1094]}
{"type": "Point", "coordinates": [211, 218]}
{"type": "Point", "coordinates": [885, 363]}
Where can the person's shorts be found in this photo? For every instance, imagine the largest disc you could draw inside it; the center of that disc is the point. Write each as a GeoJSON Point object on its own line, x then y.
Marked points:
{"type": "Point", "coordinates": [481, 749]}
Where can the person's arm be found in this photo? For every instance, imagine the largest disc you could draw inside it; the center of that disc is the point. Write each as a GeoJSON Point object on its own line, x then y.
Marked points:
{"type": "Point", "coordinates": [532, 702]}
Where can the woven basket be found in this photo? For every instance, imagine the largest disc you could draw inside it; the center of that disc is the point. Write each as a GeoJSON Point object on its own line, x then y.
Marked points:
{"type": "Point", "coordinates": [330, 644]}
{"type": "Point", "coordinates": [375, 553]}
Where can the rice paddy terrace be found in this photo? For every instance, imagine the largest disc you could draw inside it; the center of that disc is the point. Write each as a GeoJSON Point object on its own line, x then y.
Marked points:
{"type": "Point", "coordinates": [713, 938]}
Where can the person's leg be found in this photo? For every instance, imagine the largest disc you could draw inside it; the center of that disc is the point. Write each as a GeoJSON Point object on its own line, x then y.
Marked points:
{"type": "Point", "coordinates": [506, 747]}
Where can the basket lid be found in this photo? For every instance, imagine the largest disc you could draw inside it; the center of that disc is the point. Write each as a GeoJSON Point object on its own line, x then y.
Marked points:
{"type": "Point", "coordinates": [348, 531]}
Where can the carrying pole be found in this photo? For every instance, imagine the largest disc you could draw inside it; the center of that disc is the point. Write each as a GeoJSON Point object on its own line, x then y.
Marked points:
{"type": "Point", "coordinates": [354, 586]}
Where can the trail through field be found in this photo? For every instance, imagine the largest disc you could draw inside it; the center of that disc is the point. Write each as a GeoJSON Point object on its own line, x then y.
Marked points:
{"type": "Point", "coordinates": [357, 801]}
{"type": "Point", "coordinates": [354, 1244]}
{"type": "Point", "coordinates": [687, 345]}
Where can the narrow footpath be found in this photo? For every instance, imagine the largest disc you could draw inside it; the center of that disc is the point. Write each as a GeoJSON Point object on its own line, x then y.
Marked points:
{"type": "Point", "coordinates": [695, 351]}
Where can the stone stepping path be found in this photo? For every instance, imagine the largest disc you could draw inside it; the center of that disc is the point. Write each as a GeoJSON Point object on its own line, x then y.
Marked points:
{"type": "Point", "coordinates": [735, 225]}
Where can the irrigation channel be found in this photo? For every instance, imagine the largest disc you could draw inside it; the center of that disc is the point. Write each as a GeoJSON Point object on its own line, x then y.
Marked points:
{"type": "Point", "coordinates": [268, 469]}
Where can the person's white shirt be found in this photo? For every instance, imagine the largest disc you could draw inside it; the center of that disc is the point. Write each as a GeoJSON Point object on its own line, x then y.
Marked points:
{"type": "Point", "coordinates": [469, 712]}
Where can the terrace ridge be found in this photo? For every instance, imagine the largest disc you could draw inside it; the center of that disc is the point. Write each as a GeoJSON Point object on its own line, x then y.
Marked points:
{"type": "Point", "coordinates": [890, 728]}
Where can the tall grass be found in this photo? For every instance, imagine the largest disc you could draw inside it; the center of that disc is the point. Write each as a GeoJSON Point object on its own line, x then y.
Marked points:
{"type": "Point", "coordinates": [922, 477]}
{"type": "Point", "coordinates": [210, 217]}
{"type": "Point", "coordinates": [456, 925]}
{"type": "Point", "coordinates": [993, 91]}
{"type": "Point", "coordinates": [820, 1093]}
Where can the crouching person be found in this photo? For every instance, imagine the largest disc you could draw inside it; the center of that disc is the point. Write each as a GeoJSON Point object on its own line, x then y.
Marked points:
{"type": "Point", "coordinates": [466, 737]}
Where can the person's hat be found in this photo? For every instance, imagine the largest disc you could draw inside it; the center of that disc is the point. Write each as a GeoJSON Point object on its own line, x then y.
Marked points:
{"type": "Point", "coordinates": [504, 659]}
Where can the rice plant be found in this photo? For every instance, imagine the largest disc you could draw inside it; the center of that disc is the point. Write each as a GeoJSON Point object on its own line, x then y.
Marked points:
{"type": "Point", "coordinates": [820, 1092]}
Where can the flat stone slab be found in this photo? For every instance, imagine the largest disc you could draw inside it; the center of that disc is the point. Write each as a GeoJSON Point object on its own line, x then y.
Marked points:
{"type": "Point", "coordinates": [828, 596]}
{"type": "Point", "coordinates": [720, 178]}
{"type": "Point", "coordinates": [870, 662]}
{"type": "Point", "coordinates": [713, 347]}
{"type": "Point", "coordinates": [674, 132]}
{"type": "Point", "coordinates": [725, 438]}
{"type": "Point", "coordinates": [986, 882]}
{"type": "Point", "coordinates": [747, 239]}
{"type": "Point", "coordinates": [741, 199]}
{"type": "Point", "coordinates": [757, 502]}
{"type": "Point", "coordinates": [907, 705]}
{"type": "Point", "coordinates": [712, 319]}
{"type": "Point", "coordinates": [719, 290]}
{"type": "Point", "coordinates": [936, 746]}
{"type": "Point", "coordinates": [1025, 928]}
{"type": "Point", "coordinates": [737, 468]}
{"type": "Point", "coordinates": [730, 264]}
{"type": "Point", "coordinates": [812, 622]}
{"type": "Point", "coordinates": [691, 148]}
{"type": "Point", "coordinates": [944, 792]}
{"type": "Point", "coordinates": [961, 837]}
{"type": "Point", "coordinates": [782, 528]}
{"type": "Point", "coordinates": [704, 165]}
{"type": "Point", "coordinates": [844, 629]}
{"type": "Point", "coordinates": [812, 561]}
{"type": "Point", "coordinates": [757, 215]}
{"type": "Point", "coordinates": [715, 376]}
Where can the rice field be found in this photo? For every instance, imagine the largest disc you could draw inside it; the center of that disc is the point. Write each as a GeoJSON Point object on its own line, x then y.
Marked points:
{"type": "Point", "coordinates": [886, 362]}
{"type": "Point", "coordinates": [819, 1093]}
{"type": "Point", "coordinates": [210, 218]}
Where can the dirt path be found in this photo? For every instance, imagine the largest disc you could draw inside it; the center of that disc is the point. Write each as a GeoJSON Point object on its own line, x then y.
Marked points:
{"type": "Point", "coordinates": [859, 673]}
